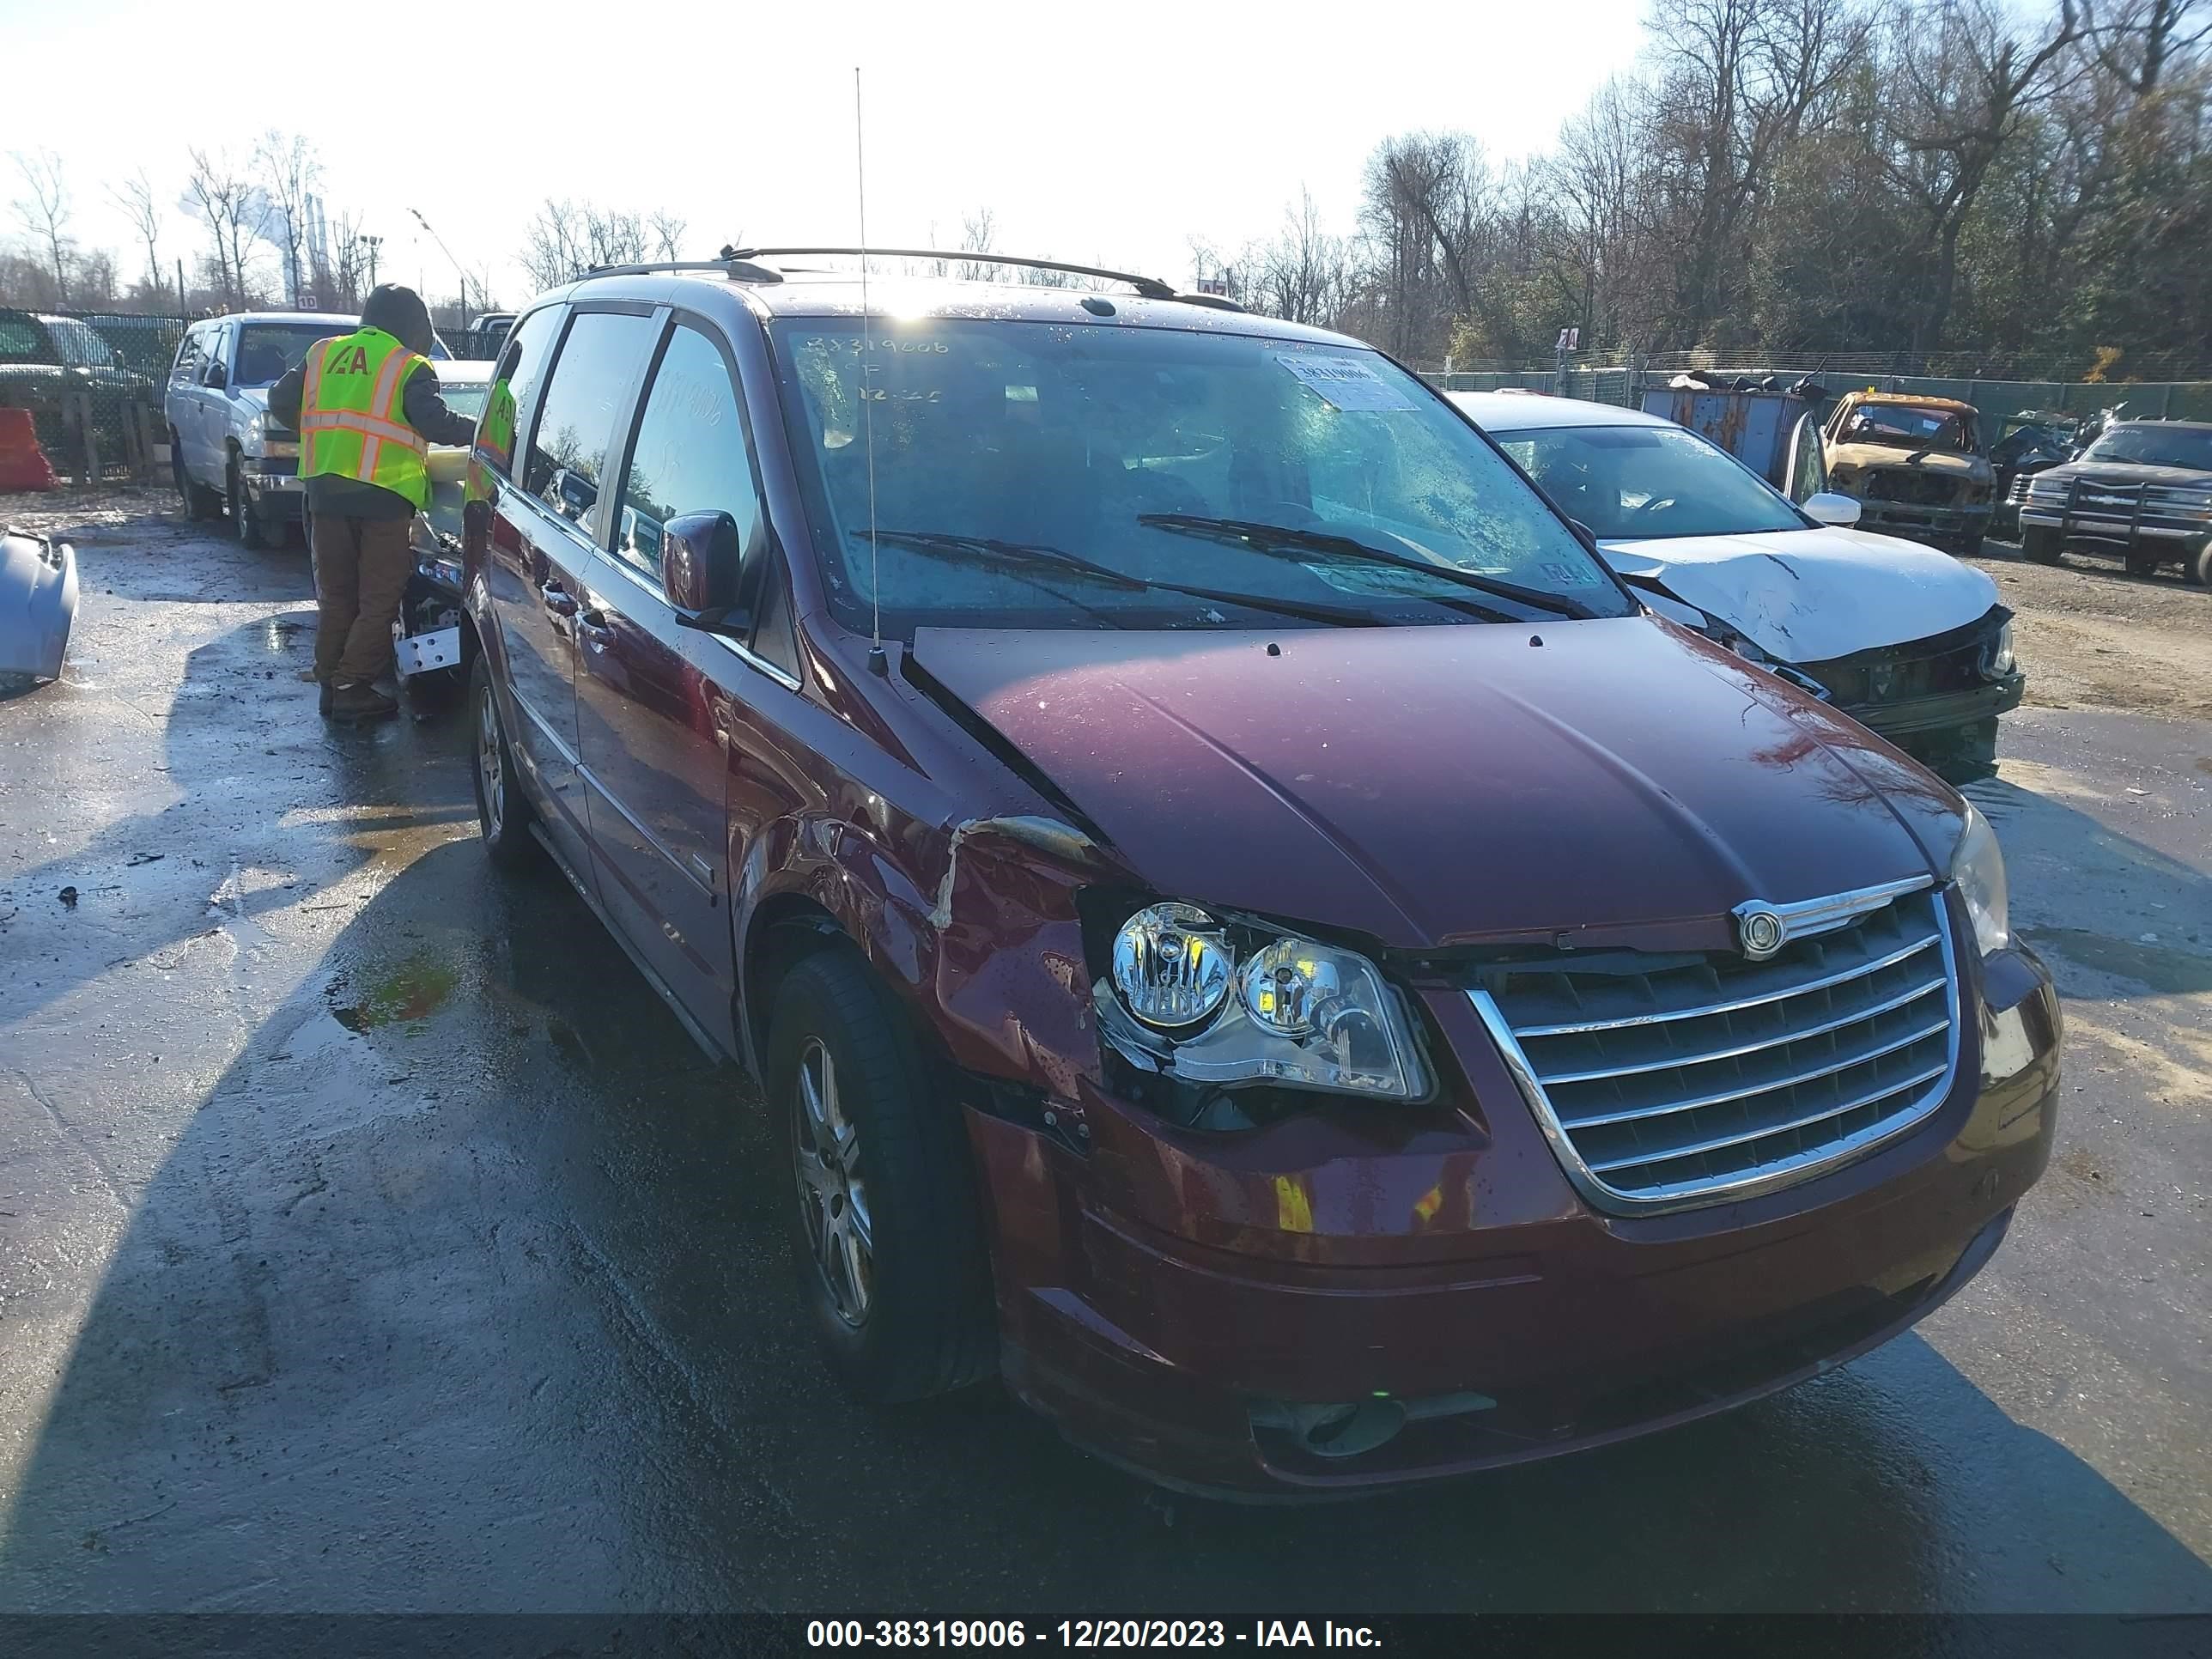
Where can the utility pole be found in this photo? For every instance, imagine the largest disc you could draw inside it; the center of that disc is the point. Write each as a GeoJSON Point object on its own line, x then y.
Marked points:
{"type": "Point", "coordinates": [371, 243]}
{"type": "Point", "coordinates": [460, 275]}
{"type": "Point", "coordinates": [180, 288]}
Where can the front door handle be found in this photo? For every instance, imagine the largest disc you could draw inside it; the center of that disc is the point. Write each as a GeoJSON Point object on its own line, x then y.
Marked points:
{"type": "Point", "coordinates": [593, 628]}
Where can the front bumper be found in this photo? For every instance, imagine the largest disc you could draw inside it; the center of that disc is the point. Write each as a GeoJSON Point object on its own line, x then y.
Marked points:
{"type": "Point", "coordinates": [1912, 517]}
{"type": "Point", "coordinates": [1176, 1303]}
{"type": "Point", "coordinates": [2169, 537]}
{"type": "Point", "coordinates": [274, 487]}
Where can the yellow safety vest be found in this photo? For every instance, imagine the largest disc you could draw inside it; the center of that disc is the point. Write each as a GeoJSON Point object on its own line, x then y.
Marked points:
{"type": "Point", "coordinates": [353, 422]}
{"type": "Point", "coordinates": [494, 449]}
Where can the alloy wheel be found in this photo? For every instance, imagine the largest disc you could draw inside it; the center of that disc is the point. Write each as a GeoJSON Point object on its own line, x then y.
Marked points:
{"type": "Point", "coordinates": [833, 1199]}
{"type": "Point", "coordinates": [491, 774]}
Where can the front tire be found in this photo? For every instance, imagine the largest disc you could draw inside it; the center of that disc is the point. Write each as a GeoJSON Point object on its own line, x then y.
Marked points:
{"type": "Point", "coordinates": [503, 812]}
{"type": "Point", "coordinates": [2200, 565]}
{"type": "Point", "coordinates": [887, 1231]}
{"type": "Point", "coordinates": [244, 517]}
{"type": "Point", "coordinates": [2042, 545]}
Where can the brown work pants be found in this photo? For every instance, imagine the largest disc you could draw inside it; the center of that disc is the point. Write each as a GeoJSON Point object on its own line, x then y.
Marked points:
{"type": "Point", "coordinates": [361, 575]}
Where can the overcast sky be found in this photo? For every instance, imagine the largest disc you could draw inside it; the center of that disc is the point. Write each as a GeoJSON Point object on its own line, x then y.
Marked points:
{"type": "Point", "coordinates": [1112, 133]}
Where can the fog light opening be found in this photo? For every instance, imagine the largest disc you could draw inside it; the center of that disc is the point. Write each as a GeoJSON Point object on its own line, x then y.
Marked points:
{"type": "Point", "coordinates": [1347, 1428]}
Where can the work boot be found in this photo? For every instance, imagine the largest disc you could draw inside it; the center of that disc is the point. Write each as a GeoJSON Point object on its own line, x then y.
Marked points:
{"type": "Point", "coordinates": [361, 702]}
{"type": "Point", "coordinates": [323, 702]}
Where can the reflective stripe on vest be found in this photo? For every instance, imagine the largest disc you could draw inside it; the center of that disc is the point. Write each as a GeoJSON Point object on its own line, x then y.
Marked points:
{"type": "Point", "coordinates": [352, 421]}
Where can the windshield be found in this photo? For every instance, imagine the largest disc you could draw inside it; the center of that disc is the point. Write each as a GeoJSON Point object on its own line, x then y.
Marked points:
{"type": "Point", "coordinates": [1043, 475]}
{"type": "Point", "coordinates": [2154, 445]}
{"type": "Point", "coordinates": [1908, 426]}
{"type": "Point", "coordinates": [466, 399]}
{"type": "Point", "coordinates": [267, 351]}
{"type": "Point", "coordinates": [79, 346]}
{"type": "Point", "coordinates": [1628, 482]}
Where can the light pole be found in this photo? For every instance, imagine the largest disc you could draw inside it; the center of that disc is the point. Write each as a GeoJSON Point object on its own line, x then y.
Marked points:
{"type": "Point", "coordinates": [462, 275]}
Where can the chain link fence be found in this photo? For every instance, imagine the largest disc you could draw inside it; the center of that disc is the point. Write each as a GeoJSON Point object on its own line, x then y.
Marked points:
{"type": "Point", "coordinates": [94, 384]}
{"type": "Point", "coordinates": [1993, 399]}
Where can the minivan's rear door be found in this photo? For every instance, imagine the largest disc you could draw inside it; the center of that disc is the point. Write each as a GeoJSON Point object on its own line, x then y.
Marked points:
{"type": "Point", "coordinates": [546, 523]}
{"type": "Point", "coordinates": [653, 705]}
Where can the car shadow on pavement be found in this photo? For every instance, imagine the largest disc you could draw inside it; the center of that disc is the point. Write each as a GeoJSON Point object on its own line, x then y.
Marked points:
{"type": "Point", "coordinates": [253, 801]}
{"type": "Point", "coordinates": [464, 1288]}
{"type": "Point", "coordinates": [2065, 868]}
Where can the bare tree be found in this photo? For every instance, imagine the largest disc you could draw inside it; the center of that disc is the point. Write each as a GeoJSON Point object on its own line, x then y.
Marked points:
{"type": "Point", "coordinates": [667, 230]}
{"type": "Point", "coordinates": [978, 234]}
{"type": "Point", "coordinates": [344, 284]}
{"type": "Point", "coordinates": [142, 208]}
{"type": "Point", "coordinates": [613, 236]}
{"type": "Point", "coordinates": [290, 172]}
{"type": "Point", "coordinates": [1965, 75]}
{"type": "Point", "coordinates": [236, 214]}
{"type": "Point", "coordinates": [554, 252]}
{"type": "Point", "coordinates": [1305, 273]}
{"type": "Point", "coordinates": [44, 211]}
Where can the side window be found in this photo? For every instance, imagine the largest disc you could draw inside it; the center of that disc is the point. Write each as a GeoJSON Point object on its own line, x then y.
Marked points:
{"type": "Point", "coordinates": [187, 366]}
{"type": "Point", "coordinates": [1812, 475]}
{"type": "Point", "coordinates": [690, 455]}
{"type": "Point", "coordinates": [514, 382]}
{"type": "Point", "coordinates": [590, 383]}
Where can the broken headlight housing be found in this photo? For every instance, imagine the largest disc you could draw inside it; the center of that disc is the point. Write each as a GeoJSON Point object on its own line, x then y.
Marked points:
{"type": "Point", "coordinates": [1213, 1002]}
{"type": "Point", "coordinates": [1978, 869]}
{"type": "Point", "coordinates": [2000, 658]}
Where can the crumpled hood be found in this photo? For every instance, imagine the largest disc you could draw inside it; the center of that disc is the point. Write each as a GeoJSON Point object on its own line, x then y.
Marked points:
{"type": "Point", "coordinates": [1434, 786]}
{"type": "Point", "coordinates": [1806, 596]}
{"type": "Point", "coordinates": [1896, 455]}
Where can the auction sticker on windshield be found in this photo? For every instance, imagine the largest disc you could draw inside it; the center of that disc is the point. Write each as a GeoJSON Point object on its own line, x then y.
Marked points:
{"type": "Point", "coordinates": [1345, 383]}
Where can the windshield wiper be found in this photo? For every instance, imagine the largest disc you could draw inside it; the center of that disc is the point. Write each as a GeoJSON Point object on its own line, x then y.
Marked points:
{"type": "Point", "coordinates": [1035, 555]}
{"type": "Point", "coordinates": [1272, 538]}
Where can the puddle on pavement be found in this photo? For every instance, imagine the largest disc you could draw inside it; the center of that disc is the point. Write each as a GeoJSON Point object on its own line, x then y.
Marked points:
{"type": "Point", "coordinates": [415, 989]}
{"type": "Point", "coordinates": [2177, 973]}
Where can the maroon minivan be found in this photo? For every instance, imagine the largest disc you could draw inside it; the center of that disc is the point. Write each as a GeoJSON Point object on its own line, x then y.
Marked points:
{"type": "Point", "coordinates": [1246, 929]}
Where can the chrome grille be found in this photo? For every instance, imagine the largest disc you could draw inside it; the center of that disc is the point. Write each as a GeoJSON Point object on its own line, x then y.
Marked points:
{"type": "Point", "coordinates": [1704, 1079]}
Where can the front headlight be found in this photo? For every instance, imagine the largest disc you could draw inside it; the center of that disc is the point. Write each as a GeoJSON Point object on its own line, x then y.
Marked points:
{"type": "Point", "coordinates": [257, 430]}
{"type": "Point", "coordinates": [2001, 660]}
{"type": "Point", "coordinates": [1978, 869]}
{"type": "Point", "coordinates": [1303, 1013]}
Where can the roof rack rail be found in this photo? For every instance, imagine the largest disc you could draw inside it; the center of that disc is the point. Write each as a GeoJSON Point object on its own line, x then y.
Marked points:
{"type": "Point", "coordinates": [1150, 287]}
{"type": "Point", "coordinates": [729, 265]}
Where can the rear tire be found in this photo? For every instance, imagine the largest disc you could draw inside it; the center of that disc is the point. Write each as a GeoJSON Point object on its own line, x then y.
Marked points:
{"type": "Point", "coordinates": [2042, 545]}
{"type": "Point", "coordinates": [503, 812]}
{"type": "Point", "coordinates": [245, 519]}
{"type": "Point", "coordinates": [887, 1232]}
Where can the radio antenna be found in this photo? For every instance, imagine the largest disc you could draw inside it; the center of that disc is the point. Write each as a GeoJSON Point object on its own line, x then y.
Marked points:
{"type": "Point", "coordinates": [878, 663]}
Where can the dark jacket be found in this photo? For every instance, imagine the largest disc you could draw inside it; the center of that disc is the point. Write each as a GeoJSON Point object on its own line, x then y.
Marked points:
{"type": "Point", "coordinates": [390, 310]}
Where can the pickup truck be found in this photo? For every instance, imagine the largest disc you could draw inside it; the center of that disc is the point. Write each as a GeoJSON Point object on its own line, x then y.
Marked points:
{"type": "Point", "coordinates": [228, 456]}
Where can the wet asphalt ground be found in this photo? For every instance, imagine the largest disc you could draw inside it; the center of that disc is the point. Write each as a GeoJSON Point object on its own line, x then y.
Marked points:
{"type": "Point", "coordinates": [371, 1238]}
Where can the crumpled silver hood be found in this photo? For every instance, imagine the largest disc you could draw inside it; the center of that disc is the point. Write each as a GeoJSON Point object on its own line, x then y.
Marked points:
{"type": "Point", "coordinates": [1805, 596]}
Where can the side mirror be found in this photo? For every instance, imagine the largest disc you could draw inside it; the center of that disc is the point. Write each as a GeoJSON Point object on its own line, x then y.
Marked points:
{"type": "Point", "coordinates": [700, 553]}
{"type": "Point", "coordinates": [215, 377]}
{"type": "Point", "coordinates": [1831, 507]}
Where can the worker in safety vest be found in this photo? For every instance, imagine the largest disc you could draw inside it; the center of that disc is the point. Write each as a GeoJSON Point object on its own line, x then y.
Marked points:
{"type": "Point", "coordinates": [366, 408]}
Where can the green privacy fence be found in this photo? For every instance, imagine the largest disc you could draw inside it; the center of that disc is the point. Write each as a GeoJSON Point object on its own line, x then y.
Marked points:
{"type": "Point", "coordinates": [2175, 400]}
